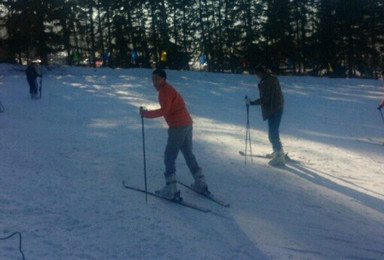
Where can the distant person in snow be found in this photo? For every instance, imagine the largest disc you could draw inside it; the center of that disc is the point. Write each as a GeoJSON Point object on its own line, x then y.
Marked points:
{"type": "Point", "coordinates": [381, 105]}
{"type": "Point", "coordinates": [32, 75]}
{"type": "Point", "coordinates": [134, 57]}
{"type": "Point", "coordinates": [175, 112]}
{"type": "Point", "coordinates": [272, 105]}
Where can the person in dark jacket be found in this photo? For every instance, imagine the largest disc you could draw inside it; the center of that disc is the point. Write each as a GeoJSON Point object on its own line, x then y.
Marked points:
{"type": "Point", "coordinates": [32, 75]}
{"type": "Point", "coordinates": [272, 106]}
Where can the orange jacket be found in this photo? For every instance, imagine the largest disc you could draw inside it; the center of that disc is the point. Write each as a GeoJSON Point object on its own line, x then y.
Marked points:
{"type": "Point", "coordinates": [173, 108]}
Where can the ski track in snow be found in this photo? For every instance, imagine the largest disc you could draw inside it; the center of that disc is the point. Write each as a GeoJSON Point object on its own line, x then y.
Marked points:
{"type": "Point", "coordinates": [63, 159]}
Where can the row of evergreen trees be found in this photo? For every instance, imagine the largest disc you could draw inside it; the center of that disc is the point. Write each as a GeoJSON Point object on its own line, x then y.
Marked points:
{"type": "Point", "coordinates": [342, 37]}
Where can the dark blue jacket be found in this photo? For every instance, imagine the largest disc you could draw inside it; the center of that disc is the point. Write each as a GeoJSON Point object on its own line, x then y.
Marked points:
{"type": "Point", "coordinates": [32, 72]}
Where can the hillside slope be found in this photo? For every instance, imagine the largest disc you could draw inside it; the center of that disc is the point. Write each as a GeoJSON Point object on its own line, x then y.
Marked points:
{"type": "Point", "coordinates": [63, 159]}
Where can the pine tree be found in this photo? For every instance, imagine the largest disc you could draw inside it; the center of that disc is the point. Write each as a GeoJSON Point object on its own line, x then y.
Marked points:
{"type": "Point", "coordinates": [343, 37]}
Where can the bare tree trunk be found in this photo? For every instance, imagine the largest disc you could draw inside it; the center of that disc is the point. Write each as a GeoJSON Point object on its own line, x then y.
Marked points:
{"type": "Point", "coordinates": [43, 51]}
{"type": "Point", "coordinates": [93, 50]}
{"type": "Point", "coordinates": [228, 36]}
{"type": "Point", "coordinates": [101, 34]}
{"type": "Point", "coordinates": [203, 33]}
{"type": "Point", "coordinates": [185, 46]}
{"type": "Point", "coordinates": [220, 38]}
{"type": "Point", "coordinates": [156, 50]}
{"type": "Point", "coordinates": [109, 35]}
{"type": "Point", "coordinates": [143, 38]}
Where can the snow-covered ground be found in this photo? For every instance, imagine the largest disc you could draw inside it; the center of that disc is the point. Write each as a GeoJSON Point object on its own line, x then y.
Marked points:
{"type": "Point", "coordinates": [62, 160]}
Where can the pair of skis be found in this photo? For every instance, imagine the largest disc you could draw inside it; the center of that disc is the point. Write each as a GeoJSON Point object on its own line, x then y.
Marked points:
{"type": "Point", "coordinates": [179, 200]}
{"type": "Point", "coordinates": [268, 156]}
{"type": "Point", "coordinates": [182, 202]}
{"type": "Point", "coordinates": [372, 141]}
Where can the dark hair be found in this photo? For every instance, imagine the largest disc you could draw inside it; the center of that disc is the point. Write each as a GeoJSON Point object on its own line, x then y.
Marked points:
{"type": "Point", "coordinates": [160, 72]}
{"type": "Point", "coordinates": [260, 69]}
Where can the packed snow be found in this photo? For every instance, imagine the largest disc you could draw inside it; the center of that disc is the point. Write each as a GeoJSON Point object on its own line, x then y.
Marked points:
{"type": "Point", "coordinates": [64, 157]}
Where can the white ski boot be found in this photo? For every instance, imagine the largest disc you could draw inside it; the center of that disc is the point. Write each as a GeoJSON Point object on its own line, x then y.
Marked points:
{"type": "Point", "coordinates": [170, 189]}
{"type": "Point", "coordinates": [278, 159]}
{"type": "Point", "coordinates": [199, 185]}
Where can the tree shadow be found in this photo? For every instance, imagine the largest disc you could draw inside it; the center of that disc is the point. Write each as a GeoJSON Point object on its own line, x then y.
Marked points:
{"type": "Point", "coordinates": [316, 177]}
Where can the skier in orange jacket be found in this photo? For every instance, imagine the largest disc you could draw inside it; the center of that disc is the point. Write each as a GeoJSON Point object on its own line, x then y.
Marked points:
{"type": "Point", "coordinates": [174, 110]}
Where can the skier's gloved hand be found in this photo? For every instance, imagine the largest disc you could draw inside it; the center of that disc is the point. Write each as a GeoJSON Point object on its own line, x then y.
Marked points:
{"type": "Point", "coordinates": [379, 107]}
{"type": "Point", "coordinates": [247, 101]}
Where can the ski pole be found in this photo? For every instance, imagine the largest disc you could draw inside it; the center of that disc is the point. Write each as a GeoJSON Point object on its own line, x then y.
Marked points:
{"type": "Point", "coordinates": [246, 132]}
{"type": "Point", "coordinates": [248, 135]}
{"type": "Point", "coordinates": [41, 81]}
{"type": "Point", "coordinates": [144, 158]}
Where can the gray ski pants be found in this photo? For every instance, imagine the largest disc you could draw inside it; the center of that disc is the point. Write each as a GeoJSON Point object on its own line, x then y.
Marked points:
{"type": "Point", "coordinates": [179, 139]}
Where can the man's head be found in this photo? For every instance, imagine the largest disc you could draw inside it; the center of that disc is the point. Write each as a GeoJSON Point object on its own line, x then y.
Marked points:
{"type": "Point", "coordinates": [260, 72]}
{"type": "Point", "coordinates": [159, 77]}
